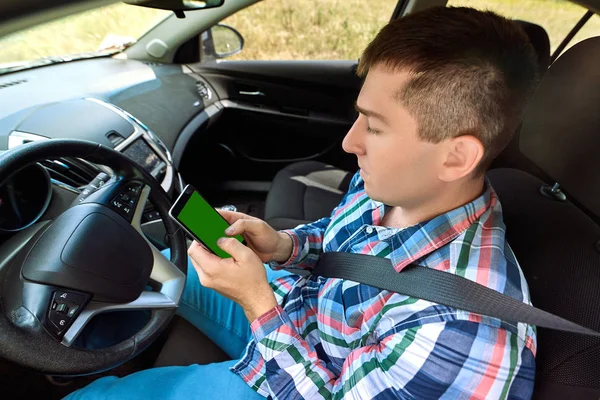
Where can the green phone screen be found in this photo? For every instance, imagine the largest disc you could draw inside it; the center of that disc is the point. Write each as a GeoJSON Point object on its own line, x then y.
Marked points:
{"type": "Point", "coordinates": [205, 222]}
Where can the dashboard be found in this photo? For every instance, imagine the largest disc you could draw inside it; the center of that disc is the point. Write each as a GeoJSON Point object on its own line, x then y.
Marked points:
{"type": "Point", "coordinates": [24, 198]}
{"type": "Point", "coordinates": [133, 107]}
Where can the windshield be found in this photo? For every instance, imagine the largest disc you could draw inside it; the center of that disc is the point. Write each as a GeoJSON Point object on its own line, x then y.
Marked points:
{"type": "Point", "coordinates": [92, 33]}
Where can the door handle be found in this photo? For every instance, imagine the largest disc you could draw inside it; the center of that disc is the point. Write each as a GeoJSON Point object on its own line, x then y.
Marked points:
{"type": "Point", "coordinates": [254, 93]}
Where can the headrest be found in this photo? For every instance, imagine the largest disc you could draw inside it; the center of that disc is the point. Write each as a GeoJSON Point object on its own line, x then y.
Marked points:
{"type": "Point", "coordinates": [541, 43]}
{"type": "Point", "coordinates": [561, 129]}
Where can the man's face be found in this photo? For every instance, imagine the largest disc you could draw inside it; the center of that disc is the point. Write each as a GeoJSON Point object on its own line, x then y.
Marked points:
{"type": "Point", "coordinates": [398, 167]}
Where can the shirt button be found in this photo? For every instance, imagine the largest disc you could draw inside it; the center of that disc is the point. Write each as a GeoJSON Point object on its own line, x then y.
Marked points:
{"type": "Point", "coordinates": [369, 230]}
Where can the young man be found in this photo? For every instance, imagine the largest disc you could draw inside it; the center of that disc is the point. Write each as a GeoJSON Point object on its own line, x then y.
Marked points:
{"type": "Point", "coordinates": [443, 94]}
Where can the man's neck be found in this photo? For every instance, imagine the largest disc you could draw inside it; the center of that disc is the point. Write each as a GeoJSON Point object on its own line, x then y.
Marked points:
{"type": "Point", "coordinates": [454, 197]}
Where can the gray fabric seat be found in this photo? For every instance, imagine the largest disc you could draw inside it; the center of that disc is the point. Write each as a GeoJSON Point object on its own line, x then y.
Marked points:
{"type": "Point", "coordinates": [557, 242]}
{"type": "Point", "coordinates": [554, 244]}
{"type": "Point", "coordinates": [306, 191]}
{"type": "Point", "coordinates": [541, 42]}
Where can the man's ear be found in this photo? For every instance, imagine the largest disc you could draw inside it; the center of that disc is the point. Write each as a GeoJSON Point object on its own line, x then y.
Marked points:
{"type": "Point", "coordinates": [462, 156]}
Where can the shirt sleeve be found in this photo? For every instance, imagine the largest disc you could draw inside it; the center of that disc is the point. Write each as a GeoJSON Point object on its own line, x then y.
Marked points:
{"type": "Point", "coordinates": [453, 359]}
{"type": "Point", "coordinates": [307, 239]}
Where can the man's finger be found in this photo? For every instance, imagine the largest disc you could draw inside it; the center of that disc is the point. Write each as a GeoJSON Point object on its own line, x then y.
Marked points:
{"type": "Point", "coordinates": [197, 267]}
{"type": "Point", "coordinates": [232, 216]}
{"type": "Point", "coordinates": [205, 280]}
{"type": "Point", "coordinates": [243, 226]}
{"type": "Point", "coordinates": [235, 249]}
{"type": "Point", "coordinates": [201, 256]}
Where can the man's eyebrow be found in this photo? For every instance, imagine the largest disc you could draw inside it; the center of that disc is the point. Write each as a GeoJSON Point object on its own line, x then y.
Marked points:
{"type": "Point", "coordinates": [370, 113]}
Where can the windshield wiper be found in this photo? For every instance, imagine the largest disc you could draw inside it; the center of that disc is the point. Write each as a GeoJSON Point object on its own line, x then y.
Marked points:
{"type": "Point", "coordinates": [18, 66]}
{"type": "Point", "coordinates": [28, 64]}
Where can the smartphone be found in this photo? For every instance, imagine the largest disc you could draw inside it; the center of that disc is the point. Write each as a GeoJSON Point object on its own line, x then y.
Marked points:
{"type": "Point", "coordinates": [193, 213]}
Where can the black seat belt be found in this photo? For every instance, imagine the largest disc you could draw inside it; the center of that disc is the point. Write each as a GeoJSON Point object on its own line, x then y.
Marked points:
{"type": "Point", "coordinates": [439, 287]}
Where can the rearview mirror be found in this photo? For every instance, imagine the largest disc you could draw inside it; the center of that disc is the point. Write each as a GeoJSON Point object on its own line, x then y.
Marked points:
{"type": "Point", "coordinates": [176, 5]}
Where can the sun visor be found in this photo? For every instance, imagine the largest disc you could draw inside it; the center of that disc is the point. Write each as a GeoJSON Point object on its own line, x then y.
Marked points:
{"type": "Point", "coordinates": [561, 129]}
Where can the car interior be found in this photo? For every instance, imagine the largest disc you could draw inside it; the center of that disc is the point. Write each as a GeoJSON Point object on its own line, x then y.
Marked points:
{"type": "Point", "coordinates": [265, 137]}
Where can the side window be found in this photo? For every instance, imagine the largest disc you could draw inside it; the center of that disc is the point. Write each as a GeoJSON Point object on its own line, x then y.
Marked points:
{"type": "Point", "coordinates": [557, 17]}
{"type": "Point", "coordinates": [309, 29]}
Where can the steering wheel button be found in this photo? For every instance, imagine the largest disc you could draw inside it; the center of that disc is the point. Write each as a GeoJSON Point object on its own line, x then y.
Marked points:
{"type": "Point", "coordinates": [135, 189]}
{"type": "Point", "coordinates": [72, 311]}
{"type": "Point", "coordinates": [59, 321]}
{"type": "Point", "coordinates": [69, 297]}
{"type": "Point", "coordinates": [62, 308]}
{"type": "Point", "coordinates": [117, 204]}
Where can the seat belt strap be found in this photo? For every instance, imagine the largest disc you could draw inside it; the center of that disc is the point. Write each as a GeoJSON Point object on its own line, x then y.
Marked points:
{"type": "Point", "coordinates": [439, 287]}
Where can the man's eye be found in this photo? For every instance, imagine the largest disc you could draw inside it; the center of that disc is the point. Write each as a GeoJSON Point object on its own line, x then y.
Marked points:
{"type": "Point", "coordinates": [373, 131]}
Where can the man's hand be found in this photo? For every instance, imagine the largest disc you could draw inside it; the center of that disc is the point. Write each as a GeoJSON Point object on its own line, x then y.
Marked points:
{"type": "Point", "coordinates": [267, 243]}
{"type": "Point", "coordinates": [241, 278]}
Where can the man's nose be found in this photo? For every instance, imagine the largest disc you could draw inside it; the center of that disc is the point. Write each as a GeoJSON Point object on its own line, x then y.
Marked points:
{"type": "Point", "coordinates": [352, 142]}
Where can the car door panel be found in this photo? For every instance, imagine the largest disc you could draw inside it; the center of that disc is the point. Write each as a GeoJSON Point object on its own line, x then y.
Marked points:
{"type": "Point", "coordinates": [275, 113]}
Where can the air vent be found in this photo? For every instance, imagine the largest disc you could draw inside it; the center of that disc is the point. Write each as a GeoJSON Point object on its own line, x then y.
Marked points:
{"type": "Point", "coordinates": [4, 85]}
{"type": "Point", "coordinates": [72, 171]}
{"type": "Point", "coordinates": [153, 64]}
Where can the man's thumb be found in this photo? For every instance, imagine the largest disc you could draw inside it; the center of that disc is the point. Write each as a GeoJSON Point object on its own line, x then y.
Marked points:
{"type": "Point", "coordinates": [234, 248]}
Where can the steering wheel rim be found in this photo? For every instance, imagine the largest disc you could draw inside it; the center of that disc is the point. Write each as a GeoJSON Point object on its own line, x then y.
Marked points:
{"type": "Point", "coordinates": [23, 337]}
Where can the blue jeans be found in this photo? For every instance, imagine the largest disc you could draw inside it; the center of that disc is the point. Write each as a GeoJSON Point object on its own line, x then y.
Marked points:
{"type": "Point", "coordinates": [219, 318]}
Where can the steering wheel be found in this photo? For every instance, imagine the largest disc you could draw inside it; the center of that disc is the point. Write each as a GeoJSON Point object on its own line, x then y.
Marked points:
{"type": "Point", "coordinates": [93, 258]}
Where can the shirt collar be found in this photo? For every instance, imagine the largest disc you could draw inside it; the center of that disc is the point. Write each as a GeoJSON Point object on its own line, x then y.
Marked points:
{"type": "Point", "coordinates": [413, 243]}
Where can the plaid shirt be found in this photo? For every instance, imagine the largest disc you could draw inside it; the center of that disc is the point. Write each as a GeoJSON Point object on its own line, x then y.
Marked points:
{"type": "Point", "coordinates": [333, 338]}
